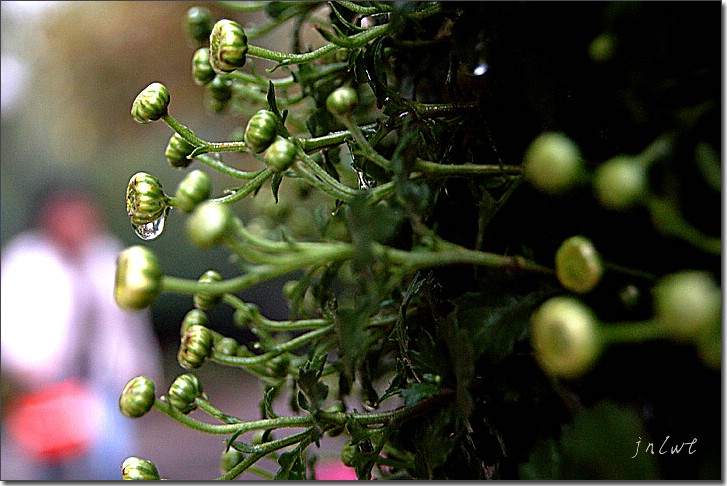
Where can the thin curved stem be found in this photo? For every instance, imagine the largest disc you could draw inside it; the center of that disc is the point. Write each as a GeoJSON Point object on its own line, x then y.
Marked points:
{"type": "Point", "coordinates": [221, 167]}
{"type": "Point", "coordinates": [222, 429]}
{"type": "Point", "coordinates": [248, 188]}
{"type": "Point", "coordinates": [285, 347]}
{"type": "Point", "coordinates": [321, 179]}
{"type": "Point", "coordinates": [265, 449]}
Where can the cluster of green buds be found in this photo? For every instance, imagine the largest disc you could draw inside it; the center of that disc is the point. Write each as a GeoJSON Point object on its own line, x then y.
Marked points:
{"type": "Point", "coordinates": [568, 338]}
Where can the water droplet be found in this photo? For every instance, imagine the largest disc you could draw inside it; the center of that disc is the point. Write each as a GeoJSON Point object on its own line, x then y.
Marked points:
{"type": "Point", "coordinates": [153, 229]}
{"type": "Point", "coordinates": [480, 69]}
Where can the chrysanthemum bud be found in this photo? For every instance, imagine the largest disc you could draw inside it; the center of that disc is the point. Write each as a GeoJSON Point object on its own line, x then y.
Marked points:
{"type": "Point", "coordinates": [193, 189]}
{"type": "Point", "coordinates": [578, 265]}
{"type": "Point", "coordinates": [145, 199]}
{"type": "Point", "coordinates": [184, 391]}
{"type": "Point", "coordinates": [202, 71]}
{"type": "Point", "coordinates": [151, 104]}
{"type": "Point", "coordinates": [280, 155]}
{"type": "Point", "coordinates": [138, 397]}
{"type": "Point", "coordinates": [208, 223]}
{"type": "Point", "coordinates": [260, 131]}
{"type": "Point", "coordinates": [228, 46]}
{"type": "Point", "coordinates": [198, 24]}
{"type": "Point", "coordinates": [342, 101]}
{"type": "Point", "coordinates": [138, 278]}
{"type": "Point", "coordinates": [207, 300]}
{"type": "Point", "coordinates": [177, 151]}
{"type": "Point", "coordinates": [135, 468]}
{"type": "Point", "coordinates": [196, 347]}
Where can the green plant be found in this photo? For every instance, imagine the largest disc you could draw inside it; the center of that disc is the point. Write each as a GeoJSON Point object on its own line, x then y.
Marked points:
{"type": "Point", "coordinates": [429, 254]}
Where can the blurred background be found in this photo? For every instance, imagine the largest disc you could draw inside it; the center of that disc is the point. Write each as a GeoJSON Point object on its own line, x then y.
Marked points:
{"type": "Point", "coordinates": [70, 72]}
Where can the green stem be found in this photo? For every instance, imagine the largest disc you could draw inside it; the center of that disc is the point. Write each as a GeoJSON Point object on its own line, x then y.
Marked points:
{"type": "Point", "coordinates": [380, 7]}
{"type": "Point", "coordinates": [265, 449]}
{"type": "Point", "coordinates": [262, 322]}
{"type": "Point", "coordinates": [358, 40]}
{"type": "Point", "coordinates": [251, 186]}
{"type": "Point", "coordinates": [321, 179]}
{"type": "Point", "coordinates": [222, 429]}
{"type": "Point", "coordinates": [632, 332]}
{"type": "Point", "coordinates": [285, 347]}
{"type": "Point", "coordinates": [434, 169]}
{"type": "Point", "coordinates": [217, 413]}
{"type": "Point", "coordinates": [205, 146]}
{"type": "Point", "coordinates": [457, 255]}
{"type": "Point", "coordinates": [225, 169]}
{"type": "Point", "coordinates": [328, 252]}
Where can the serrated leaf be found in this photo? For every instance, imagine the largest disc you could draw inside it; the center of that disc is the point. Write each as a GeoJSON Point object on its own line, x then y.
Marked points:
{"type": "Point", "coordinates": [292, 466]}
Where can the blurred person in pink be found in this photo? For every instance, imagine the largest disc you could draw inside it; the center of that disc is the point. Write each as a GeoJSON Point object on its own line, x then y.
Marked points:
{"type": "Point", "coordinates": [67, 349]}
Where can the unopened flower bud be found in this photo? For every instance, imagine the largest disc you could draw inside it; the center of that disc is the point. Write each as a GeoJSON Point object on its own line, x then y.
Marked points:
{"type": "Point", "coordinates": [138, 397]}
{"type": "Point", "coordinates": [135, 468]}
{"type": "Point", "coordinates": [228, 46]}
{"type": "Point", "coordinates": [208, 223]}
{"type": "Point", "coordinates": [184, 391]}
{"type": "Point", "coordinates": [145, 199]}
{"type": "Point", "coordinates": [260, 131]}
{"type": "Point", "coordinates": [202, 71]}
{"type": "Point", "coordinates": [177, 151]}
{"type": "Point", "coordinates": [138, 278]}
{"type": "Point", "coordinates": [195, 348]}
{"type": "Point", "coordinates": [193, 189]}
{"type": "Point", "coordinates": [198, 24]}
{"type": "Point", "coordinates": [151, 104]}
{"type": "Point", "coordinates": [207, 300]}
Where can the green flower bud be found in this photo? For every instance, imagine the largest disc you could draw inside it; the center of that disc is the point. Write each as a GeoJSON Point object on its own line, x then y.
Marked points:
{"type": "Point", "coordinates": [261, 130]}
{"type": "Point", "coordinates": [553, 163]}
{"type": "Point", "coordinates": [202, 71]}
{"type": "Point", "coordinates": [151, 104]}
{"type": "Point", "coordinates": [184, 391]}
{"type": "Point", "coordinates": [138, 397]}
{"type": "Point", "coordinates": [145, 199]}
{"type": "Point", "coordinates": [228, 46]}
{"type": "Point", "coordinates": [230, 458]}
{"type": "Point", "coordinates": [196, 347]}
{"type": "Point", "coordinates": [177, 151]}
{"type": "Point", "coordinates": [220, 92]}
{"type": "Point", "coordinates": [198, 24]}
{"type": "Point", "coordinates": [620, 183]}
{"type": "Point", "coordinates": [135, 468]}
{"type": "Point", "coordinates": [227, 346]}
{"type": "Point", "coordinates": [208, 223]}
{"type": "Point", "coordinates": [342, 101]}
{"type": "Point", "coordinates": [193, 189]}
{"type": "Point", "coordinates": [195, 317]}
{"type": "Point", "coordinates": [578, 265]}
{"type": "Point", "coordinates": [348, 451]}
{"type": "Point", "coordinates": [280, 155]}
{"type": "Point", "coordinates": [687, 304]}
{"type": "Point", "coordinates": [565, 337]}
{"type": "Point", "coordinates": [207, 300]}
{"type": "Point", "coordinates": [138, 278]}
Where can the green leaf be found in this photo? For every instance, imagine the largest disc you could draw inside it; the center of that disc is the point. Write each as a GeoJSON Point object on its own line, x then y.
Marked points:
{"type": "Point", "coordinates": [416, 392]}
{"type": "Point", "coordinates": [433, 443]}
{"type": "Point", "coordinates": [600, 442]}
{"type": "Point", "coordinates": [351, 337]}
{"type": "Point", "coordinates": [312, 393]}
{"type": "Point", "coordinates": [292, 466]}
{"type": "Point", "coordinates": [493, 322]}
{"type": "Point", "coordinates": [543, 462]}
{"type": "Point", "coordinates": [275, 185]}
